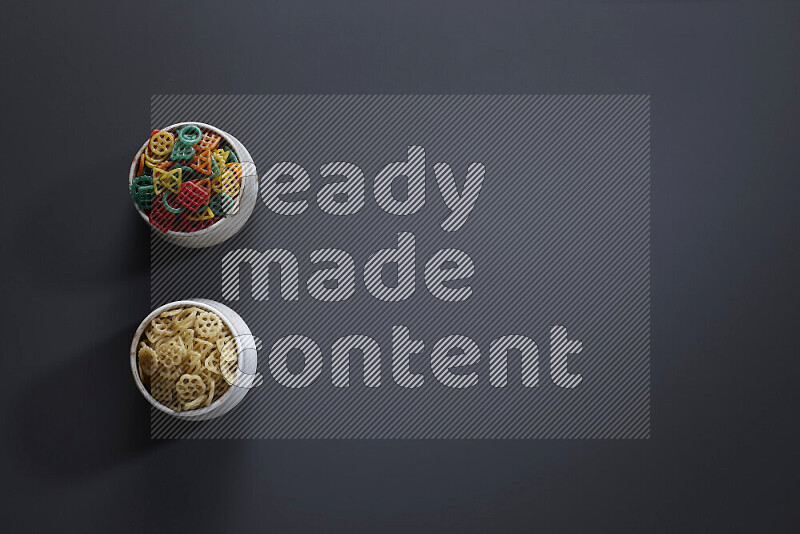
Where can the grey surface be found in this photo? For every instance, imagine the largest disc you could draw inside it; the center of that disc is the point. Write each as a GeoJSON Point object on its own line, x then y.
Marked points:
{"type": "Point", "coordinates": [723, 79]}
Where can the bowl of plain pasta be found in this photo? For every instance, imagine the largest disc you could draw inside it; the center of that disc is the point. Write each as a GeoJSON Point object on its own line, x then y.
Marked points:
{"type": "Point", "coordinates": [194, 359]}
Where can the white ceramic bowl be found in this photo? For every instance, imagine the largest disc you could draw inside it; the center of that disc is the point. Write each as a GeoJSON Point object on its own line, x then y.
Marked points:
{"type": "Point", "coordinates": [246, 377]}
{"type": "Point", "coordinates": [226, 227]}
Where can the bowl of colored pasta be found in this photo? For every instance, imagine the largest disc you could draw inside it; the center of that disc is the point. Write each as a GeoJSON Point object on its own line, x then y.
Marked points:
{"type": "Point", "coordinates": [194, 184]}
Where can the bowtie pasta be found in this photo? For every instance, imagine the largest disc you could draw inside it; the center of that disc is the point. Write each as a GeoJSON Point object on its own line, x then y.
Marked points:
{"type": "Point", "coordinates": [184, 357]}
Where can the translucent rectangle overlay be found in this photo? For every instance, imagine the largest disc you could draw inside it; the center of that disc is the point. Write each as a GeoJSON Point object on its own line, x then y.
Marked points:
{"type": "Point", "coordinates": [558, 236]}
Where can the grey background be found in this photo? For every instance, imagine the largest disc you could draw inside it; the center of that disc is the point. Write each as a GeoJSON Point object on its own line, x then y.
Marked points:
{"type": "Point", "coordinates": [722, 455]}
{"type": "Point", "coordinates": [559, 236]}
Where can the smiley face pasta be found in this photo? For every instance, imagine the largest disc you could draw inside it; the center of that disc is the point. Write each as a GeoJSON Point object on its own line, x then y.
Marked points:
{"type": "Point", "coordinates": [186, 358]}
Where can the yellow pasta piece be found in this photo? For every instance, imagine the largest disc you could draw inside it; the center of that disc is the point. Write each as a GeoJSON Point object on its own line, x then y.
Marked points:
{"type": "Point", "coordinates": [190, 387]}
{"type": "Point", "coordinates": [162, 326]}
{"type": "Point", "coordinates": [152, 336]}
{"type": "Point", "coordinates": [148, 359]}
{"type": "Point", "coordinates": [210, 394]}
{"type": "Point", "coordinates": [226, 349]}
{"type": "Point", "coordinates": [187, 336]}
{"type": "Point", "coordinates": [203, 347]}
{"type": "Point", "coordinates": [171, 351]}
{"type": "Point", "coordinates": [228, 369]}
{"type": "Point", "coordinates": [184, 318]}
{"type": "Point", "coordinates": [162, 389]}
{"type": "Point", "coordinates": [212, 362]}
{"type": "Point", "coordinates": [207, 325]}
{"type": "Point", "coordinates": [196, 403]}
{"type": "Point", "coordinates": [193, 362]}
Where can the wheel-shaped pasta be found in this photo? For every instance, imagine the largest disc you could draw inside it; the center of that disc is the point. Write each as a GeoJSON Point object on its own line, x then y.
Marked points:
{"type": "Point", "coordinates": [208, 325]}
{"type": "Point", "coordinates": [190, 387]}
